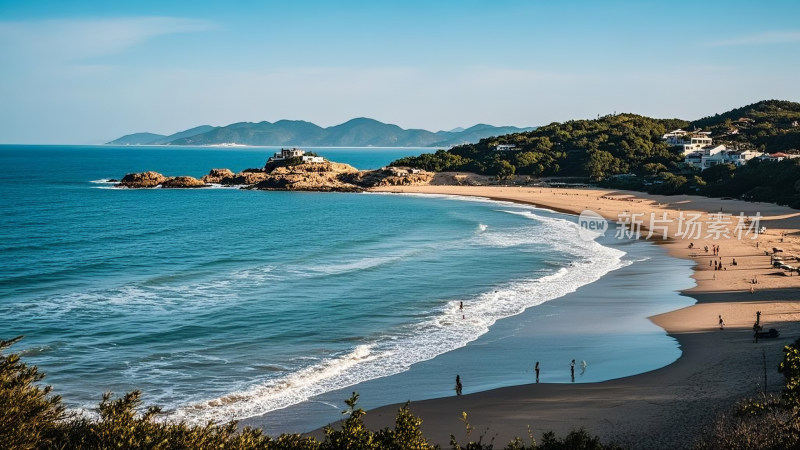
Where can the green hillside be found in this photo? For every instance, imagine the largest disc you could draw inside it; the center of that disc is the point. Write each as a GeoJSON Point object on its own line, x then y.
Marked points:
{"type": "Point", "coordinates": [609, 145]}
{"type": "Point", "coordinates": [769, 125]}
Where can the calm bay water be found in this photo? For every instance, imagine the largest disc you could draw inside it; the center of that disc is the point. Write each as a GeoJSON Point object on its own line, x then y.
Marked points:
{"type": "Point", "coordinates": [222, 303]}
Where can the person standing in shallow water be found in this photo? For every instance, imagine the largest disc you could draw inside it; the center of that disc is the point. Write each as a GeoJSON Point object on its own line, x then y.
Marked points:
{"type": "Point", "coordinates": [536, 368]}
{"type": "Point", "coordinates": [458, 385]}
{"type": "Point", "coordinates": [572, 370]}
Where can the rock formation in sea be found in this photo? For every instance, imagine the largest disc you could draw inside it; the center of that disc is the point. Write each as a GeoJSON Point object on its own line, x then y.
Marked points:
{"type": "Point", "coordinates": [142, 180]}
{"type": "Point", "coordinates": [217, 175]}
{"type": "Point", "coordinates": [182, 182]}
{"type": "Point", "coordinates": [281, 175]}
{"type": "Point", "coordinates": [324, 176]}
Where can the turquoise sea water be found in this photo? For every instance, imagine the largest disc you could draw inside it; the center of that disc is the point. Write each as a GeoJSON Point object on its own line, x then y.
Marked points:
{"type": "Point", "coordinates": [222, 303]}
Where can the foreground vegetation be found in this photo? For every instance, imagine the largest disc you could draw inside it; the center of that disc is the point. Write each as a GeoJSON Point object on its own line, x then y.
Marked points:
{"type": "Point", "coordinates": [31, 417]}
{"type": "Point", "coordinates": [626, 151]}
{"type": "Point", "coordinates": [767, 422]}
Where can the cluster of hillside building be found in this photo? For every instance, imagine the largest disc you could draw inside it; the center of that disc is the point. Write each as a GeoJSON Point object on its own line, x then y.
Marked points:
{"type": "Point", "coordinates": [699, 150]}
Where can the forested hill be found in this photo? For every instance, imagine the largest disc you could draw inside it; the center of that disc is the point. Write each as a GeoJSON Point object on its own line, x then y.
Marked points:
{"type": "Point", "coordinates": [608, 145]}
{"type": "Point", "coordinates": [769, 125]}
{"type": "Point", "coordinates": [617, 144]}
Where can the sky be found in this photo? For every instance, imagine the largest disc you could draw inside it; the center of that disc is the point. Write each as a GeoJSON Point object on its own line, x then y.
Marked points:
{"type": "Point", "coordinates": [87, 72]}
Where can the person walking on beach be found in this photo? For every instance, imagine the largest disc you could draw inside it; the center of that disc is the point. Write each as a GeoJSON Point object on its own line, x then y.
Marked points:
{"type": "Point", "coordinates": [721, 323]}
{"type": "Point", "coordinates": [536, 368]}
{"type": "Point", "coordinates": [572, 370]}
{"type": "Point", "coordinates": [458, 385]}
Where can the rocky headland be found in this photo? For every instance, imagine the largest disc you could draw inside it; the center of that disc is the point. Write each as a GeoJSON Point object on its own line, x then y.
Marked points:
{"type": "Point", "coordinates": [324, 176]}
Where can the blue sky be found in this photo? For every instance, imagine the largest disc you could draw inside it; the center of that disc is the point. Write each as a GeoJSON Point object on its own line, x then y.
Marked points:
{"type": "Point", "coordinates": [81, 72]}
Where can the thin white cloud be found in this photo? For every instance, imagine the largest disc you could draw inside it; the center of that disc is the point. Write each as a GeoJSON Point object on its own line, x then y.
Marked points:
{"type": "Point", "coordinates": [49, 41]}
{"type": "Point", "coordinates": [772, 37]}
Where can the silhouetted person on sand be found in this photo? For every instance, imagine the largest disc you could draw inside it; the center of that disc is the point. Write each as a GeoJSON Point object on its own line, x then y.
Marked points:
{"type": "Point", "coordinates": [536, 368]}
{"type": "Point", "coordinates": [458, 385]}
{"type": "Point", "coordinates": [721, 323]}
{"type": "Point", "coordinates": [572, 370]}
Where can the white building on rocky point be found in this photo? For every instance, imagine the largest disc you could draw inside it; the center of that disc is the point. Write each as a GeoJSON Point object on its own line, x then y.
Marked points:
{"type": "Point", "coordinates": [286, 153]}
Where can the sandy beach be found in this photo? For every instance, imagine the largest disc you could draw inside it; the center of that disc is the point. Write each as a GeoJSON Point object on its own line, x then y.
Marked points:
{"type": "Point", "coordinates": [669, 407]}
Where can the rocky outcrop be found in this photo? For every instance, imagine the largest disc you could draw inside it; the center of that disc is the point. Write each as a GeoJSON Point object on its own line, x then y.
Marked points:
{"type": "Point", "coordinates": [325, 176]}
{"type": "Point", "coordinates": [182, 182]}
{"type": "Point", "coordinates": [246, 178]}
{"type": "Point", "coordinates": [390, 176]}
{"type": "Point", "coordinates": [142, 180]}
{"type": "Point", "coordinates": [217, 175]}
{"type": "Point", "coordinates": [154, 179]}
{"type": "Point", "coordinates": [324, 167]}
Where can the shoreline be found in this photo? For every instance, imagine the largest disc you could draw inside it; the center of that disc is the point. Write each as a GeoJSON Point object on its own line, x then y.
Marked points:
{"type": "Point", "coordinates": [580, 320]}
{"type": "Point", "coordinates": [667, 407]}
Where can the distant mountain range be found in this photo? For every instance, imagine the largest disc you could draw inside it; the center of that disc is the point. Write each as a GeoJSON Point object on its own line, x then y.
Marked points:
{"type": "Point", "coordinates": [361, 132]}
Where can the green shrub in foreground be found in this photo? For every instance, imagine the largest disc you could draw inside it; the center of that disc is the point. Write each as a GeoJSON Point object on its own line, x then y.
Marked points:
{"type": "Point", "coordinates": [766, 422]}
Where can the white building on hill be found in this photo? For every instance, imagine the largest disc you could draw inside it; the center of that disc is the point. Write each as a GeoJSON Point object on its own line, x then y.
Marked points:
{"type": "Point", "coordinates": [505, 147]}
{"type": "Point", "coordinates": [286, 153]}
{"type": "Point", "coordinates": [780, 156]}
{"type": "Point", "coordinates": [690, 141]}
{"type": "Point", "coordinates": [711, 156]}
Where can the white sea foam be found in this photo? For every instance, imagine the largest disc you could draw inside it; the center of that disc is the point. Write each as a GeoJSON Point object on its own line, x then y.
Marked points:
{"type": "Point", "coordinates": [445, 329]}
{"type": "Point", "coordinates": [281, 392]}
{"type": "Point", "coordinates": [340, 268]}
{"type": "Point", "coordinates": [226, 186]}
{"type": "Point", "coordinates": [161, 294]}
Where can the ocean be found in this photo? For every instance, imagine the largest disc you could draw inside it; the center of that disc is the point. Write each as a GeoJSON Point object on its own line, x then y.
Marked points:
{"type": "Point", "coordinates": [229, 304]}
